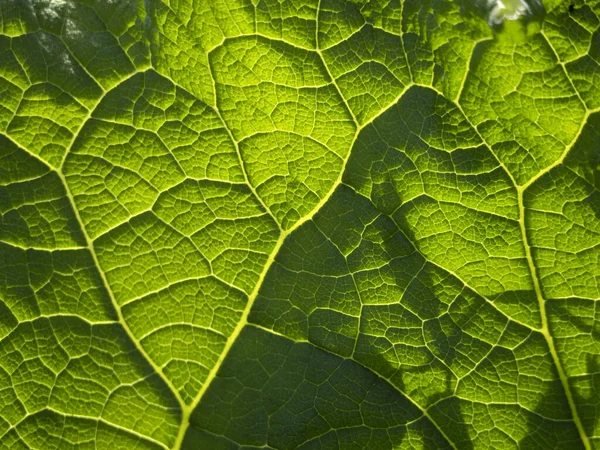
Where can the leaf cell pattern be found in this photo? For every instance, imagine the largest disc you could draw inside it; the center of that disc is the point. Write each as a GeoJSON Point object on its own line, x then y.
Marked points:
{"type": "Point", "coordinates": [318, 224]}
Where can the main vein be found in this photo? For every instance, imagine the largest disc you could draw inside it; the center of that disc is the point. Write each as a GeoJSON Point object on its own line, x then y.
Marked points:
{"type": "Point", "coordinates": [545, 329]}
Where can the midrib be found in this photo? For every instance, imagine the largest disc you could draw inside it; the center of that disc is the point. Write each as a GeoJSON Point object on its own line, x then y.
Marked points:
{"type": "Point", "coordinates": [545, 329]}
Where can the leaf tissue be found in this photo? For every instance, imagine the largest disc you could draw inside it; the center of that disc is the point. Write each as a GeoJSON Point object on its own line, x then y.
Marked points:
{"type": "Point", "coordinates": [299, 224]}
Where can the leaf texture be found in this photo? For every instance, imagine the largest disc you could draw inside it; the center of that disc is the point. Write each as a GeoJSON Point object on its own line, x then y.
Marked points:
{"type": "Point", "coordinates": [317, 224]}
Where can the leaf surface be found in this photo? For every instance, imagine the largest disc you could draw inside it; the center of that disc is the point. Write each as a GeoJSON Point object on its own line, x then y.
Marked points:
{"type": "Point", "coordinates": [299, 225]}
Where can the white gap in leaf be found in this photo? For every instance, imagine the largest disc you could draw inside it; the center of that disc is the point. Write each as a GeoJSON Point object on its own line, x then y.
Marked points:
{"type": "Point", "coordinates": [501, 10]}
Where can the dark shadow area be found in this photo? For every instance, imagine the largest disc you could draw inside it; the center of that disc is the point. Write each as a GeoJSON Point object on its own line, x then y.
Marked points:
{"type": "Point", "coordinates": [591, 401]}
{"type": "Point", "coordinates": [380, 156]}
{"type": "Point", "coordinates": [273, 393]}
{"type": "Point", "coordinates": [579, 331]}
{"type": "Point", "coordinates": [584, 159]}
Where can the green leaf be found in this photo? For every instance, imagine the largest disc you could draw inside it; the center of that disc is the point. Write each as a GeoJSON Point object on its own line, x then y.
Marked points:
{"type": "Point", "coordinates": [318, 224]}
